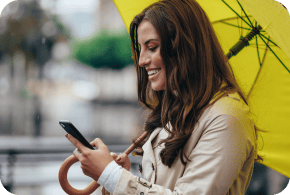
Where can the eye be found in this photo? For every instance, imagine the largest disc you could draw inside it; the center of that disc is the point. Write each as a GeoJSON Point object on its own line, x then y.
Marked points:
{"type": "Point", "coordinates": [152, 48]}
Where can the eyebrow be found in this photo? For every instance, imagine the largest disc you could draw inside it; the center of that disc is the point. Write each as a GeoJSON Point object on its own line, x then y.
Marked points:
{"type": "Point", "coordinates": [146, 42]}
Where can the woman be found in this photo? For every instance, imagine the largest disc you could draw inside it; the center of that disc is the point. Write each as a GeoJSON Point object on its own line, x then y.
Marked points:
{"type": "Point", "coordinates": [201, 138]}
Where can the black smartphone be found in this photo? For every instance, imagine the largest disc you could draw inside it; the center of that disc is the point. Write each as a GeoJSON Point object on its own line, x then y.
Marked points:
{"type": "Point", "coordinates": [70, 128]}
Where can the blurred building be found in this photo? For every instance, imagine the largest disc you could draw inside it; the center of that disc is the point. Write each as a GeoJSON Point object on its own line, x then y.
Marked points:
{"type": "Point", "coordinates": [41, 83]}
{"type": "Point", "coordinates": [109, 16]}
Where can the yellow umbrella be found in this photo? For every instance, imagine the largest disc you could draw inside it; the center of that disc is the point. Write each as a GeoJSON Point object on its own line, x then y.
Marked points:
{"type": "Point", "coordinates": [261, 69]}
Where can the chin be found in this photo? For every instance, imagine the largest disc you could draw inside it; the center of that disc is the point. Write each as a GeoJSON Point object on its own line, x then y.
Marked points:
{"type": "Point", "coordinates": [158, 87]}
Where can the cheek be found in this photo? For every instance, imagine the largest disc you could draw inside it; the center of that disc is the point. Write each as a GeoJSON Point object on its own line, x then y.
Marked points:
{"type": "Point", "coordinates": [163, 74]}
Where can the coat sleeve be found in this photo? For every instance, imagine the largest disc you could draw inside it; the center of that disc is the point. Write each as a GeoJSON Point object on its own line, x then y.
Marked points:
{"type": "Point", "coordinates": [215, 162]}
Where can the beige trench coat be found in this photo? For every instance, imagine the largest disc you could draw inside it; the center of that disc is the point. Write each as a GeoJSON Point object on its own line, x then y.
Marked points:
{"type": "Point", "coordinates": [221, 149]}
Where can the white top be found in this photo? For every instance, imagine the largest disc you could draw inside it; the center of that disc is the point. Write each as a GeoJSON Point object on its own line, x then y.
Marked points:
{"type": "Point", "coordinates": [110, 176]}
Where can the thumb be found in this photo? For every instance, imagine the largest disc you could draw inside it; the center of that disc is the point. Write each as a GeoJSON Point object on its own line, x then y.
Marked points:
{"type": "Point", "coordinates": [98, 143]}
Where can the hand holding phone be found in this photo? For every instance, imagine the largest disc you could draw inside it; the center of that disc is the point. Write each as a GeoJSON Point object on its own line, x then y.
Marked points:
{"type": "Point", "coordinates": [72, 130]}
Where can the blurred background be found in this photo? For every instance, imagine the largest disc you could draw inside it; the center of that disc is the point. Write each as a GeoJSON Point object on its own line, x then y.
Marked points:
{"type": "Point", "coordinates": [70, 60]}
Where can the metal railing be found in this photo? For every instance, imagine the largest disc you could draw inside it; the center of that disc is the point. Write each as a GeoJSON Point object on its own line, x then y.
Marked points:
{"type": "Point", "coordinates": [19, 151]}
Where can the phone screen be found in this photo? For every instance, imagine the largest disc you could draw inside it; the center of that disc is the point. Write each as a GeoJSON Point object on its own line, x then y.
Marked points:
{"type": "Point", "coordinates": [71, 129]}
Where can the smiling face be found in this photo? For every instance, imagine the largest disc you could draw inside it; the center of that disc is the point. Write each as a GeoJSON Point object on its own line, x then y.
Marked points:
{"type": "Point", "coordinates": [150, 57]}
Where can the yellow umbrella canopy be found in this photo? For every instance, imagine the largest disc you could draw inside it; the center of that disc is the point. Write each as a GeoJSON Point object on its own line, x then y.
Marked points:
{"type": "Point", "coordinates": [261, 69]}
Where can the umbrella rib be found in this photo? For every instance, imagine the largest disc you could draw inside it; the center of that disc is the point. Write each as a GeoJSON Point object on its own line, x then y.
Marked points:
{"type": "Point", "coordinates": [269, 40]}
{"type": "Point", "coordinates": [261, 64]}
{"type": "Point", "coordinates": [245, 14]}
{"type": "Point", "coordinates": [254, 45]}
{"type": "Point", "coordinates": [226, 19]}
{"type": "Point", "coordinates": [241, 26]}
{"type": "Point", "coordinates": [275, 54]}
{"type": "Point", "coordinates": [266, 50]}
{"type": "Point", "coordinates": [236, 13]}
{"type": "Point", "coordinates": [235, 25]}
{"type": "Point", "coordinates": [257, 46]}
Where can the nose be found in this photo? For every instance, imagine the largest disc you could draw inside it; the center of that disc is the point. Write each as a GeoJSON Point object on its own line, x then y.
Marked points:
{"type": "Point", "coordinates": [144, 59]}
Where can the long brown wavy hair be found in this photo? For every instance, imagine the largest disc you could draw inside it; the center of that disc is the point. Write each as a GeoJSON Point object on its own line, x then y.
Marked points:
{"type": "Point", "coordinates": [196, 68]}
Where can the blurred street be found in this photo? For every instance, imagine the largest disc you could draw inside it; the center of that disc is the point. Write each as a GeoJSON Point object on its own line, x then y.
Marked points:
{"type": "Point", "coordinates": [49, 73]}
{"type": "Point", "coordinates": [43, 83]}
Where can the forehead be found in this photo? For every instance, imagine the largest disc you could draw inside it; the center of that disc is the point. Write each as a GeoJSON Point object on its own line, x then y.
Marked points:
{"type": "Point", "coordinates": [146, 31]}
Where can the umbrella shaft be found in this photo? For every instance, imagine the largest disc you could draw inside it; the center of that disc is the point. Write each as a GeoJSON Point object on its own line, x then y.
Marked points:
{"type": "Point", "coordinates": [243, 42]}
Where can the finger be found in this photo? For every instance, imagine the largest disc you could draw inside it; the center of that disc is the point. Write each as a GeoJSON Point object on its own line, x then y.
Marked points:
{"type": "Point", "coordinates": [98, 143]}
{"type": "Point", "coordinates": [119, 157]}
{"type": "Point", "coordinates": [122, 158]}
{"type": "Point", "coordinates": [75, 142]}
{"type": "Point", "coordinates": [114, 155]}
{"type": "Point", "coordinates": [77, 153]}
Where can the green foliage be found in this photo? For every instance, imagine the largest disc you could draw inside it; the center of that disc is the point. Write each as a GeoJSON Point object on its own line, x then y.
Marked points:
{"type": "Point", "coordinates": [105, 50]}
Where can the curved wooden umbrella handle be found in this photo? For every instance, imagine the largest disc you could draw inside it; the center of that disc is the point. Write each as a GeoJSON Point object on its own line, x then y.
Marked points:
{"type": "Point", "coordinates": [62, 177]}
{"type": "Point", "coordinates": [67, 163]}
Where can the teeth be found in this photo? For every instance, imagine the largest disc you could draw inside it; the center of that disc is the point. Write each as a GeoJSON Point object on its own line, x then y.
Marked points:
{"type": "Point", "coordinates": [151, 72]}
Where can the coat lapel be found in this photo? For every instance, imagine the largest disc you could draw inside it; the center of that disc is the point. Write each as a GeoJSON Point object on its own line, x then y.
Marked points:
{"type": "Point", "coordinates": [147, 147]}
{"type": "Point", "coordinates": [148, 161]}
